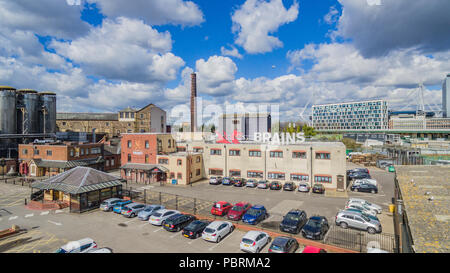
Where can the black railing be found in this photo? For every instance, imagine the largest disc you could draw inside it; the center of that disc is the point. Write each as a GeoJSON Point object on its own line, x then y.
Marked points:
{"type": "Point", "coordinates": [345, 238]}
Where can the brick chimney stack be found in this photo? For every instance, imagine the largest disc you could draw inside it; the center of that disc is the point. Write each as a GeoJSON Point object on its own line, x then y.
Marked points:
{"type": "Point", "coordinates": [193, 102]}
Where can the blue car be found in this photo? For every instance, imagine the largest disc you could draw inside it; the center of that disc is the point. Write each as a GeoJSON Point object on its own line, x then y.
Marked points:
{"type": "Point", "coordinates": [255, 215]}
{"type": "Point", "coordinates": [119, 206]}
{"type": "Point", "coordinates": [227, 181]}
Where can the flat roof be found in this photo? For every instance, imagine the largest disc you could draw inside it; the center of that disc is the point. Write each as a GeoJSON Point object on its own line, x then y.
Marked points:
{"type": "Point", "coordinates": [429, 221]}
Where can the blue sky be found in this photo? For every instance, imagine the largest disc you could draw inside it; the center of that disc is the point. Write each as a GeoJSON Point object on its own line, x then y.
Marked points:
{"type": "Point", "coordinates": [104, 55]}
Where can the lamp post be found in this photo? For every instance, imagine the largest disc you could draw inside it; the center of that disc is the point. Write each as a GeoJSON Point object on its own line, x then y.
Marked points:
{"type": "Point", "coordinates": [2, 164]}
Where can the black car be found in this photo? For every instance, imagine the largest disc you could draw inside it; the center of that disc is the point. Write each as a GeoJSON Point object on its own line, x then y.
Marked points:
{"type": "Point", "coordinates": [359, 175]}
{"type": "Point", "coordinates": [283, 245]}
{"type": "Point", "coordinates": [318, 188]}
{"type": "Point", "coordinates": [315, 228]}
{"type": "Point", "coordinates": [178, 222]}
{"type": "Point", "coordinates": [275, 185]}
{"type": "Point", "coordinates": [289, 186]}
{"type": "Point", "coordinates": [195, 229]}
{"type": "Point", "coordinates": [293, 221]}
{"type": "Point", "coordinates": [365, 188]}
{"type": "Point", "coordinates": [239, 182]}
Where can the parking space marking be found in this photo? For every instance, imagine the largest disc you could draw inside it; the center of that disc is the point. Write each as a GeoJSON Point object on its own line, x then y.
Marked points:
{"type": "Point", "coordinates": [13, 218]}
{"type": "Point", "coordinates": [173, 236]}
{"type": "Point", "coordinates": [29, 215]}
{"type": "Point", "coordinates": [58, 211]}
{"type": "Point", "coordinates": [159, 229]}
{"type": "Point", "coordinates": [55, 223]}
{"type": "Point", "coordinates": [45, 213]}
{"type": "Point", "coordinates": [129, 221]}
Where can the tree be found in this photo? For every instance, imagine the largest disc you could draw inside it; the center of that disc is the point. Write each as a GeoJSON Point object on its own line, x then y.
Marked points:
{"type": "Point", "coordinates": [309, 131]}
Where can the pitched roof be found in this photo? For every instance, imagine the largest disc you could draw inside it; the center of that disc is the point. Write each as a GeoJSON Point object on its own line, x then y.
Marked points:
{"type": "Point", "coordinates": [145, 167]}
{"type": "Point", "coordinates": [79, 180]}
{"type": "Point", "coordinates": [87, 116]}
{"type": "Point", "coordinates": [67, 164]}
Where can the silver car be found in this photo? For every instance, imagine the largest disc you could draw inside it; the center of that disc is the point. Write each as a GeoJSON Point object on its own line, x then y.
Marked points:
{"type": "Point", "coordinates": [361, 207]}
{"type": "Point", "coordinates": [217, 230]}
{"type": "Point", "coordinates": [159, 216]}
{"type": "Point", "coordinates": [372, 206]}
{"type": "Point", "coordinates": [132, 210]}
{"type": "Point", "coordinates": [149, 210]}
{"type": "Point", "coordinates": [303, 187]}
{"type": "Point", "coordinates": [109, 204]}
{"type": "Point", "coordinates": [357, 220]}
{"type": "Point", "coordinates": [253, 241]}
{"type": "Point", "coordinates": [263, 184]}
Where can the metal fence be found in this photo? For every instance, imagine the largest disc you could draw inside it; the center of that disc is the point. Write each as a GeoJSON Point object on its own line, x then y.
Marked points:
{"type": "Point", "coordinates": [345, 238]}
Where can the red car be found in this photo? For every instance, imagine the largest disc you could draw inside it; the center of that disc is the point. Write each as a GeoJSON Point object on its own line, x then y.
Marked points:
{"type": "Point", "coordinates": [312, 249]}
{"type": "Point", "coordinates": [238, 210]}
{"type": "Point", "coordinates": [221, 208]}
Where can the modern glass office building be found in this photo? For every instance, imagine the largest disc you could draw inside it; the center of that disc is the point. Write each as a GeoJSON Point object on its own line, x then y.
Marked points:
{"type": "Point", "coordinates": [363, 115]}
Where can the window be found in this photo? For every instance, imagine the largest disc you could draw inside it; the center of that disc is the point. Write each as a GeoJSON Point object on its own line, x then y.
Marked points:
{"type": "Point", "coordinates": [234, 152]}
{"type": "Point", "coordinates": [198, 150]}
{"type": "Point", "coordinates": [179, 162]}
{"type": "Point", "coordinates": [112, 162]}
{"type": "Point", "coordinates": [254, 174]}
{"type": "Point", "coordinates": [299, 177]}
{"type": "Point", "coordinates": [299, 154]}
{"type": "Point", "coordinates": [24, 151]}
{"type": "Point", "coordinates": [218, 172]}
{"type": "Point", "coordinates": [254, 153]}
{"type": "Point", "coordinates": [142, 115]}
{"type": "Point", "coordinates": [49, 152]}
{"type": "Point", "coordinates": [71, 152]}
{"type": "Point", "coordinates": [129, 157]}
{"type": "Point", "coordinates": [146, 159]}
{"type": "Point", "coordinates": [216, 152]}
{"type": "Point", "coordinates": [121, 114]}
{"type": "Point", "coordinates": [129, 143]}
{"type": "Point", "coordinates": [198, 159]}
{"type": "Point", "coordinates": [276, 154]}
{"type": "Point", "coordinates": [197, 172]}
{"type": "Point", "coordinates": [132, 115]}
{"type": "Point", "coordinates": [172, 175]}
{"type": "Point", "coordinates": [323, 155]}
{"type": "Point", "coordinates": [82, 151]}
{"type": "Point", "coordinates": [147, 145]}
{"type": "Point", "coordinates": [163, 161]}
{"type": "Point", "coordinates": [107, 124]}
{"type": "Point", "coordinates": [107, 163]}
{"type": "Point", "coordinates": [87, 151]}
{"type": "Point", "coordinates": [278, 176]}
{"type": "Point", "coordinates": [36, 152]}
{"type": "Point", "coordinates": [64, 123]}
{"type": "Point", "coordinates": [179, 176]}
{"type": "Point", "coordinates": [127, 115]}
{"type": "Point", "coordinates": [322, 179]}
{"type": "Point", "coordinates": [95, 150]}
{"type": "Point", "coordinates": [181, 149]}
{"type": "Point", "coordinates": [170, 142]}
{"type": "Point", "coordinates": [236, 173]}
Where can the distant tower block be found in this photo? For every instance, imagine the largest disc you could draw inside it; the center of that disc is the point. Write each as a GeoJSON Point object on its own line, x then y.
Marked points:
{"type": "Point", "coordinates": [193, 102]}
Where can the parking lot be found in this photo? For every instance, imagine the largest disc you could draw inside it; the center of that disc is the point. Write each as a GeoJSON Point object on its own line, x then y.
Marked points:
{"type": "Point", "coordinates": [45, 231]}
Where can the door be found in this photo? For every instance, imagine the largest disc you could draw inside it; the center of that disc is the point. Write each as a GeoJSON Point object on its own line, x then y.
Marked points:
{"type": "Point", "coordinates": [340, 183]}
{"type": "Point", "coordinates": [55, 195]}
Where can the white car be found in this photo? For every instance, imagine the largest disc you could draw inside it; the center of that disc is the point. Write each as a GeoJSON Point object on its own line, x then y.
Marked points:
{"type": "Point", "coordinates": [217, 230]}
{"type": "Point", "coordinates": [253, 241]}
{"type": "Point", "coordinates": [159, 216]}
{"type": "Point", "coordinates": [365, 181]}
{"type": "Point", "coordinates": [362, 208]}
{"type": "Point", "coordinates": [372, 206]}
{"type": "Point", "coordinates": [80, 246]}
{"type": "Point", "coordinates": [101, 250]}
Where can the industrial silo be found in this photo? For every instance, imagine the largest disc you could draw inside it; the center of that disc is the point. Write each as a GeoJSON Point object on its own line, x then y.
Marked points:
{"type": "Point", "coordinates": [48, 112]}
{"type": "Point", "coordinates": [7, 111]}
{"type": "Point", "coordinates": [28, 114]}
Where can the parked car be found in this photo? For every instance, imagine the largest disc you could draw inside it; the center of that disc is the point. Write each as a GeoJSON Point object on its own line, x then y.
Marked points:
{"type": "Point", "coordinates": [159, 216]}
{"type": "Point", "coordinates": [148, 211]}
{"type": "Point", "coordinates": [119, 206]}
{"type": "Point", "coordinates": [221, 208]}
{"type": "Point", "coordinates": [362, 170]}
{"type": "Point", "coordinates": [275, 185]}
{"type": "Point", "coordinates": [362, 208]}
{"type": "Point", "coordinates": [359, 175]}
{"type": "Point", "coordinates": [364, 188]}
{"type": "Point", "coordinates": [263, 184]}
{"type": "Point", "coordinates": [356, 220]}
{"type": "Point", "coordinates": [109, 204]}
{"type": "Point", "coordinates": [255, 215]}
{"type": "Point", "coordinates": [217, 230]}
{"type": "Point", "coordinates": [283, 244]}
{"type": "Point", "coordinates": [80, 246]}
{"type": "Point", "coordinates": [313, 249]}
{"type": "Point", "coordinates": [251, 183]}
{"type": "Point", "coordinates": [315, 228]}
{"type": "Point", "coordinates": [373, 206]}
{"type": "Point", "coordinates": [238, 210]}
{"type": "Point", "coordinates": [293, 221]}
{"type": "Point", "coordinates": [227, 181]}
{"type": "Point", "coordinates": [178, 221]}
{"type": "Point", "coordinates": [195, 229]}
{"type": "Point", "coordinates": [318, 188]}
{"type": "Point", "coordinates": [254, 241]}
{"type": "Point", "coordinates": [213, 180]}
{"type": "Point", "coordinates": [239, 182]}
{"type": "Point", "coordinates": [289, 186]}
{"type": "Point", "coordinates": [101, 250]}
{"type": "Point", "coordinates": [303, 187]}
{"type": "Point", "coordinates": [132, 210]}
{"type": "Point", "coordinates": [364, 213]}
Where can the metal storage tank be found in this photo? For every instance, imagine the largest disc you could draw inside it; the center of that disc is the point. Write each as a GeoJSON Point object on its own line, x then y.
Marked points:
{"type": "Point", "coordinates": [28, 105]}
{"type": "Point", "coordinates": [7, 110]}
{"type": "Point", "coordinates": [48, 112]}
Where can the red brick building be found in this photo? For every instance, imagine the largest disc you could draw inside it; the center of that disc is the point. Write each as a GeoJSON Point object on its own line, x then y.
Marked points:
{"type": "Point", "coordinates": [48, 159]}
